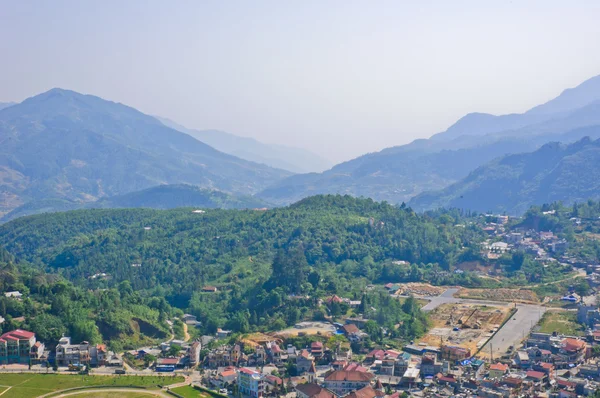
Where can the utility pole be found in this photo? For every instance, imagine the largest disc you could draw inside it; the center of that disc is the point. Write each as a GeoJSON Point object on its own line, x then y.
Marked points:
{"type": "Point", "coordinates": [491, 353]}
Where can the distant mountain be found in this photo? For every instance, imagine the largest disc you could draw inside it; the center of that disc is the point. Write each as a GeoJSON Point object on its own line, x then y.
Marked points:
{"type": "Point", "coordinates": [568, 101]}
{"type": "Point", "coordinates": [75, 147]}
{"type": "Point", "coordinates": [6, 104]}
{"type": "Point", "coordinates": [279, 156]}
{"type": "Point", "coordinates": [399, 173]}
{"type": "Point", "coordinates": [554, 172]}
{"type": "Point", "coordinates": [159, 197]}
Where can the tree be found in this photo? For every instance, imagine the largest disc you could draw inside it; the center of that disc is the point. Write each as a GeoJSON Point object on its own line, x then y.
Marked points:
{"type": "Point", "coordinates": [174, 350]}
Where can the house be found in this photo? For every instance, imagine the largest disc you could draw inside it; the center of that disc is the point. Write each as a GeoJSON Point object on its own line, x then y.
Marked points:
{"type": "Point", "coordinates": [334, 299]}
{"type": "Point", "coordinates": [366, 392]}
{"type": "Point", "coordinates": [304, 361]}
{"type": "Point", "coordinates": [411, 376]}
{"type": "Point", "coordinates": [250, 383]}
{"type": "Point", "coordinates": [36, 353]}
{"type": "Point", "coordinates": [223, 334]}
{"type": "Point", "coordinates": [352, 332]}
{"type": "Point", "coordinates": [194, 353]}
{"type": "Point", "coordinates": [14, 295]}
{"type": "Point", "coordinates": [535, 376]}
{"type": "Point", "coordinates": [72, 354]}
{"type": "Point", "coordinates": [455, 353]}
{"type": "Point", "coordinates": [209, 289]}
{"type": "Point", "coordinates": [498, 370]}
{"type": "Point", "coordinates": [316, 349]}
{"type": "Point", "coordinates": [521, 359]}
{"type": "Point", "coordinates": [16, 346]}
{"type": "Point", "coordinates": [227, 375]}
{"type": "Point", "coordinates": [430, 365]}
{"type": "Point", "coordinates": [275, 353]}
{"type": "Point", "coordinates": [342, 382]}
{"type": "Point", "coordinates": [572, 350]}
{"type": "Point", "coordinates": [312, 390]}
{"type": "Point", "coordinates": [225, 356]}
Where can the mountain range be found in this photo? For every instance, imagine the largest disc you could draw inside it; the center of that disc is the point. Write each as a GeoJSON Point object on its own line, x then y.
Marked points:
{"type": "Point", "coordinates": [159, 197]}
{"type": "Point", "coordinates": [399, 173]}
{"type": "Point", "coordinates": [80, 148]}
{"type": "Point", "coordinates": [62, 150]}
{"type": "Point", "coordinates": [511, 184]}
{"type": "Point", "coordinates": [296, 160]}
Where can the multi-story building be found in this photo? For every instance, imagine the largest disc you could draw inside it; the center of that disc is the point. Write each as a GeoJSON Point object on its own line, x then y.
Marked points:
{"type": "Point", "coordinates": [250, 383]}
{"type": "Point", "coordinates": [453, 353]}
{"type": "Point", "coordinates": [18, 346]}
{"type": "Point", "coordinates": [342, 382]}
{"type": "Point", "coordinates": [72, 354]}
{"type": "Point", "coordinates": [194, 353]}
{"type": "Point", "coordinates": [225, 356]}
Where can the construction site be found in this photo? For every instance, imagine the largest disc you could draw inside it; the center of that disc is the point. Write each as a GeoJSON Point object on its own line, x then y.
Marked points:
{"type": "Point", "coordinates": [464, 325]}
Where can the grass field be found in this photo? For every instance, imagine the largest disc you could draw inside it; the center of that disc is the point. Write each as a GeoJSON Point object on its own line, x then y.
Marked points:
{"type": "Point", "coordinates": [26, 385]}
{"type": "Point", "coordinates": [190, 392]}
{"type": "Point", "coordinates": [562, 322]}
{"type": "Point", "coordinates": [111, 394]}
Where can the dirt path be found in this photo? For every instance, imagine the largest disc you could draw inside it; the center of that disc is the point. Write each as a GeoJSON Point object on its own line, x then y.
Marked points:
{"type": "Point", "coordinates": [186, 335]}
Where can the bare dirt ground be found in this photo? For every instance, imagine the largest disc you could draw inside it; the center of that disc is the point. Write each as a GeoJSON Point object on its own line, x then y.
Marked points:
{"type": "Point", "coordinates": [508, 295]}
{"type": "Point", "coordinates": [421, 289]}
{"type": "Point", "coordinates": [474, 324]}
{"type": "Point", "coordinates": [307, 328]}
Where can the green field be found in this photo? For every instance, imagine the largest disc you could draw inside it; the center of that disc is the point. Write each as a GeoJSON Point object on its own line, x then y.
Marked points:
{"type": "Point", "coordinates": [26, 385]}
{"type": "Point", "coordinates": [561, 322]}
{"type": "Point", "coordinates": [190, 392]}
{"type": "Point", "coordinates": [111, 394]}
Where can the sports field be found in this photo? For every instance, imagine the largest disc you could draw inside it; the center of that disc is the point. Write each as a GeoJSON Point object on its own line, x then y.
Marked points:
{"type": "Point", "coordinates": [27, 385]}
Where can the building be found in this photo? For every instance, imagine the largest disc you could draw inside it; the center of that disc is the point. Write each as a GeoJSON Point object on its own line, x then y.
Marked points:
{"type": "Point", "coordinates": [454, 353]}
{"type": "Point", "coordinates": [15, 295]}
{"type": "Point", "coordinates": [342, 382]}
{"type": "Point", "coordinates": [312, 390]}
{"type": "Point", "coordinates": [210, 289]}
{"type": "Point", "coordinates": [304, 361]}
{"type": "Point", "coordinates": [572, 350]}
{"type": "Point", "coordinates": [498, 370]}
{"type": "Point", "coordinates": [317, 349]}
{"type": "Point", "coordinates": [430, 365]}
{"type": "Point", "coordinates": [17, 347]}
{"type": "Point", "coordinates": [366, 392]}
{"type": "Point", "coordinates": [194, 353]}
{"type": "Point", "coordinates": [250, 383]}
{"type": "Point", "coordinates": [72, 354]}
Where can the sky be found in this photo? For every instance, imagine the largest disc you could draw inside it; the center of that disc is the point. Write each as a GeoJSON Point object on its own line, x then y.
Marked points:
{"type": "Point", "coordinates": [340, 78]}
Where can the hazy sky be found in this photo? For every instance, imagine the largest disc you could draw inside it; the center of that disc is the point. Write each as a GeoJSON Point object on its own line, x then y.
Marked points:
{"type": "Point", "coordinates": [338, 77]}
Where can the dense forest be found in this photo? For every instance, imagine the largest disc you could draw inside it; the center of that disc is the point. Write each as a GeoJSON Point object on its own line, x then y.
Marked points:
{"type": "Point", "coordinates": [53, 307]}
{"type": "Point", "coordinates": [259, 260]}
{"type": "Point", "coordinates": [130, 269]}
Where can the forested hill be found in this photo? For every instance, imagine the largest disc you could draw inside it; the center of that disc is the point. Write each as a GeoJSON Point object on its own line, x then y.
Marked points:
{"type": "Point", "coordinates": [168, 196]}
{"type": "Point", "coordinates": [176, 252]}
{"type": "Point", "coordinates": [555, 172]}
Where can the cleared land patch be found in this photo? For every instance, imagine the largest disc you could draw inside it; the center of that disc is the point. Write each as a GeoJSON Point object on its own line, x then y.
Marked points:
{"type": "Point", "coordinates": [562, 322]}
{"type": "Point", "coordinates": [508, 295]}
{"type": "Point", "coordinates": [464, 325]}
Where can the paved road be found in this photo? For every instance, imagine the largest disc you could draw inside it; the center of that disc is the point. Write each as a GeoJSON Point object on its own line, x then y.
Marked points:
{"type": "Point", "coordinates": [447, 297]}
{"type": "Point", "coordinates": [515, 330]}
